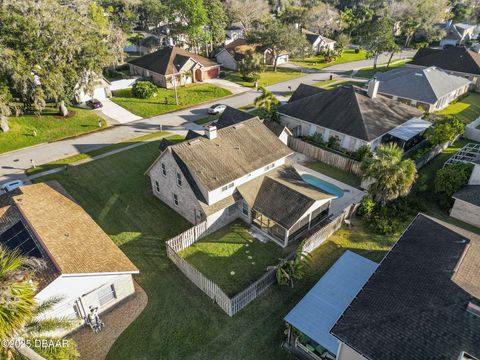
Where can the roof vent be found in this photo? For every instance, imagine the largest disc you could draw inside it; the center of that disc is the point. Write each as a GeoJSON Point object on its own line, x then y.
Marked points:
{"type": "Point", "coordinates": [238, 126]}
{"type": "Point", "coordinates": [194, 141]}
{"type": "Point", "coordinates": [473, 309]}
{"type": "Point", "coordinates": [418, 74]}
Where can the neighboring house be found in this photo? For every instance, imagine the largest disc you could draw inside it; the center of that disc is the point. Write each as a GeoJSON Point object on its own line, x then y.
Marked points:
{"type": "Point", "coordinates": [310, 321]}
{"type": "Point", "coordinates": [456, 60]}
{"type": "Point", "coordinates": [238, 171]}
{"type": "Point", "coordinates": [100, 89]}
{"type": "Point", "coordinates": [422, 301]}
{"type": "Point", "coordinates": [233, 54]}
{"type": "Point", "coordinates": [83, 265]}
{"type": "Point", "coordinates": [355, 117]}
{"type": "Point", "coordinates": [319, 42]}
{"type": "Point", "coordinates": [458, 34]}
{"type": "Point", "coordinates": [232, 116]}
{"type": "Point", "coordinates": [467, 200]}
{"type": "Point", "coordinates": [172, 65]}
{"type": "Point", "coordinates": [429, 88]}
{"type": "Point", "coordinates": [233, 33]}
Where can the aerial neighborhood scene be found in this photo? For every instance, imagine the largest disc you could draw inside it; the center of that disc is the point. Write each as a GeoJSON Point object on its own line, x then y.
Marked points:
{"type": "Point", "coordinates": [240, 179]}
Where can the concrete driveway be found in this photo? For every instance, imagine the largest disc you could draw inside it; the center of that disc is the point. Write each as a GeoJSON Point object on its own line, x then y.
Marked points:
{"type": "Point", "coordinates": [116, 114]}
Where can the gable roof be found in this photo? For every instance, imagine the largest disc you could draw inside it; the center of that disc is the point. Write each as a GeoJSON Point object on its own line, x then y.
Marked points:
{"type": "Point", "coordinates": [427, 85]}
{"type": "Point", "coordinates": [414, 305]}
{"type": "Point", "coordinates": [348, 110]}
{"type": "Point", "coordinates": [236, 151]}
{"type": "Point", "coordinates": [454, 58]}
{"type": "Point", "coordinates": [313, 37]}
{"type": "Point", "coordinates": [282, 195]}
{"type": "Point", "coordinates": [321, 307]}
{"type": "Point", "coordinates": [169, 60]}
{"type": "Point", "coordinates": [304, 90]}
{"type": "Point", "coordinates": [231, 116]}
{"type": "Point", "coordinates": [470, 194]}
{"type": "Point", "coordinates": [72, 239]}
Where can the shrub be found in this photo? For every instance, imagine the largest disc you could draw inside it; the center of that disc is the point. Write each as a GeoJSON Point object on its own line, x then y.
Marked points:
{"type": "Point", "coordinates": [367, 207]}
{"type": "Point", "coordinates": [362, 152]}
{"type": "Point", "coordinates": [144, 89]}
{"type": "Point", "coordinates": [334, 142]}
{"type": "Point", "coordinates": [444, 129]}
{"type": "Point", "coordinates": [420, 44]}
{"type": "Point", "coordinates": [449, 180]}
{"type": "Point", "coordinates": [357, 50]}
{"type": "Point", "coordinates": [222, 75]}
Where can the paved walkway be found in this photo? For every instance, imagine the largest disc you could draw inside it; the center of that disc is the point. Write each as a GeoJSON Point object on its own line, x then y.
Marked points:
{"type": "Point", "coordinates": [96, 346]}
{"type": "Point", "coordinates": [13, 164]}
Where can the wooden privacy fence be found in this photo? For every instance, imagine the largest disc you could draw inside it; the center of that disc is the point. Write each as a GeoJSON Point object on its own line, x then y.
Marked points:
{"type": "Point", "coordinates": [236, 303]}
{"type": "Point", "coordinates": [316, 239]}
{"type": "Point", "coordinates": [325, 156]}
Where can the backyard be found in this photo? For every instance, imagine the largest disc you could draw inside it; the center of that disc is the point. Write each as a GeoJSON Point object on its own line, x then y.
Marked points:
{"type": "Point", "coordinates": [29, 129]}
{"type": "Point", "coordinates": [180, 322]}
{"type": "Point", "coordinates": [466, 109]}
{"type": "Point", "coordinates": [318, 62]}
{"type": "Point", "coordinates": [232, 257]}
{"type": "Point", "coordinates": [267, 78]}
{"type": "Point", "coordinates": [165, 100]}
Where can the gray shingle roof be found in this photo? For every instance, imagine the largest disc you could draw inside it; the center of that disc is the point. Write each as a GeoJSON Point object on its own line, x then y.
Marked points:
{"type": "Point", "coordinates": [470, 194]}
{"type": "Point", "coordinates": [304, 90]}
{"type": "Point", "coordinates": [169, 60]}
{"type": "Point", "coordinates": [348, 110]}
{"type": "Point", "coordinates": [426, 85]}
{"type": "Point", "coordinates": [414, 305]}
{"type": "Point", "coordinates": [236, 151]}
{"type": "Point", "coordinates": [455, 58]}
{"type": "Point", "coordinates": [231, 116]}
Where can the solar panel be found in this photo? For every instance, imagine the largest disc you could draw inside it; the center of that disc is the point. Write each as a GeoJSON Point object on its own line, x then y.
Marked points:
{"type": "Point", "coordinates": [18, 237]}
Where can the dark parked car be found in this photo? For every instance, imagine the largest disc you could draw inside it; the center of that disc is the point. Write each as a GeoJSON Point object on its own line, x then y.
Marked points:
{"type": "Point", "coordinates": [94, 104]}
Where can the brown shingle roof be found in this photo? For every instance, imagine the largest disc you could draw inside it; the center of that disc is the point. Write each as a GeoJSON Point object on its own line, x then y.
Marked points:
{"type": "Point", "coordinates": [169, 60]}
{"type": "Point", "coordinates": [236, 151]}
{"type": "Point", "coordinates": [72, 239]}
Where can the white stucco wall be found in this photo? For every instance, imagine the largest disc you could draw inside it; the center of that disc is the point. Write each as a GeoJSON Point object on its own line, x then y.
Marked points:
{"type": "Point", "coordinates": [84, 289]}
{"type": "Point", "coordinates": [226, 60]}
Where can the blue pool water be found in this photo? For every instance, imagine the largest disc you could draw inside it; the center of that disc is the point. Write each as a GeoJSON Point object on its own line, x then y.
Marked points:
{"type": "Point", "coordinates": [323, 185]}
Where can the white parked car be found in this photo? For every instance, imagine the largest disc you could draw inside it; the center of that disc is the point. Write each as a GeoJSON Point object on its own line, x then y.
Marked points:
{"type": "Point", "coordinates": [216, 109]}
{"type": "Point", "coordinates": [11, 185]}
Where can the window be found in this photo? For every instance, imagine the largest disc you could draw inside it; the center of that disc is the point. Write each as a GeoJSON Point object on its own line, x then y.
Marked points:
{"type": "Point", "coordinates": [106, 295]}
{"type": "Point", "coordinates": [175, 199]}
{"type": "Point", "coordinates": [228, 186]}
{"type": "Point", "coordinates": [268, 167]}
{"type": "Point", "coordinates": [157, 186]}
{"type": "Point", "coordinates": [245, 208]}
{"type": "Point", "coordinates": [164, 170]}
{"type": "Point", "coordinates": [179, 179]}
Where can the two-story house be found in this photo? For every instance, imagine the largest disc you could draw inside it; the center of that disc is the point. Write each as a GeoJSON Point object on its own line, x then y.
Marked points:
{"type": "Point", "coordinates": [238, 171]}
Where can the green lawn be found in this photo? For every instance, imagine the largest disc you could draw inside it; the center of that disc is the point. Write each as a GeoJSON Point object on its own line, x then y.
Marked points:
{"type": "Point", "coordinates": [103, 150]}
{"type": "Point", "coordinates": [333, 172]}
{"type": "Point", "coordinates": [187, 95]}
{"type": "Point", "coordinates": [232, 248]}
{"type": "Point", "coordinates": [267, 78]}
{"type": "Point", "coordinates": [331, 84]}
{"type": "Point", "coordinates": [369, 72]}
{"type": "Point", "coordinates": [49, 127]}
{"type": "Point", "coordinates": [466, 109]}
{"type": "Point", "coordinates": [180, 322]}
{"type": "Point", "coordinates": [317, 62]}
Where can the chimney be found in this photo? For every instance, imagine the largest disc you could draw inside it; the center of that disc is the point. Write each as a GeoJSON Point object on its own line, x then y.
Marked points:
{"type": "Point", "coordinates": [211, 131]}
{"type": "Point", "coordinates": [373, 87]}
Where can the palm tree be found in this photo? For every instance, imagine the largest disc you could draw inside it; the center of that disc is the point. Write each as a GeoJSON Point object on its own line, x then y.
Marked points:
{"type": "Point", "coordinates": [287, 271]}
{"type": "Point", "coordinates": [390, 176]}
{"type": "Point", "coordinates": [21, 314]}
{"type": "Point", "coordinates": [268, 103]}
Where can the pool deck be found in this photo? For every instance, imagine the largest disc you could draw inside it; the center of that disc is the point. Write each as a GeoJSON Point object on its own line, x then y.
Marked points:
{"type": "Point", "coordinates": [351, 195]}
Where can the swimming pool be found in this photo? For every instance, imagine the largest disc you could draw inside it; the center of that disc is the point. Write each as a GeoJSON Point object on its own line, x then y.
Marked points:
{"type": "Point", "coordinates": [323, 185]}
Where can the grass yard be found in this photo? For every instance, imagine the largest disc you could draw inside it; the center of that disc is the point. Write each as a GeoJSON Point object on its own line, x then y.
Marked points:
{"type": "Point", "coordinates": [333, 172]}
{"type": "Point", "coordinates": [232, 248]}
{"type": "Point", "coordinates": [331, 84]}
{"type": "Point", "coordinates": [267, 78]}
{"type": "Point", "coordinates": [187, 96]}
{"type": "Point", "coordinates": [369, 72]}
{"type": "Point", "coordinates": [317, 62]}
{"type": "Point", "coordinates": [48, 127]}
{"type": "Point", "coordinates": [466, 109]}
{"type": "Point", "coordinates": [180, 322]}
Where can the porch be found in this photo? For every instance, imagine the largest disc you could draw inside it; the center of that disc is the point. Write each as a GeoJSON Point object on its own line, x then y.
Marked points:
{"type": "Point", "coordinates": [409, 134]}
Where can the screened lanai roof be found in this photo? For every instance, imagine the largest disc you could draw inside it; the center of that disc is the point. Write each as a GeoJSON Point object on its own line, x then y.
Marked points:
{"type": "Point", "coordinates": [409, 129]}
{"type": "Point", "coordinates": [323, 305]}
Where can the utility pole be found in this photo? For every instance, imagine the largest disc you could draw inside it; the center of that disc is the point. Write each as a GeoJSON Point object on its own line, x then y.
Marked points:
{"type": "Point", "coordinates": [175, 88]}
